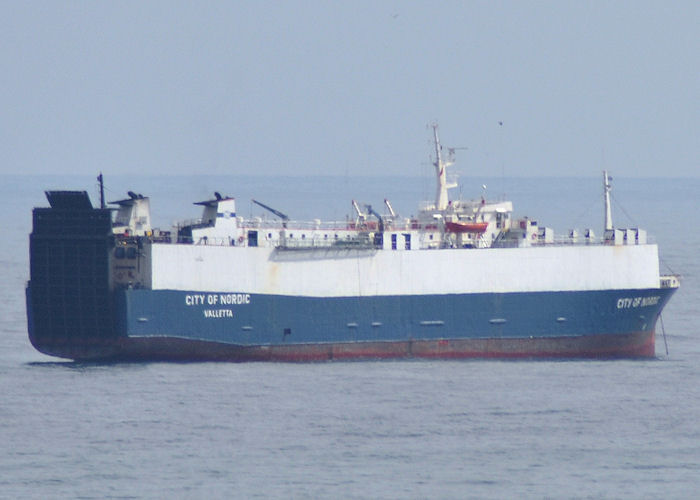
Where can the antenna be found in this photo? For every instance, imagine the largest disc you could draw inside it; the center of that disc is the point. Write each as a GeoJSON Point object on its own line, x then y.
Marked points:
{"type": "Point", "coordinates": [502, 157]}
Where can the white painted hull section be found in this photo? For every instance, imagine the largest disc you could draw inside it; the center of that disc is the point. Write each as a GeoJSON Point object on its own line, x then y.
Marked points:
{"type": "Point", "coordinates": [352, 272]}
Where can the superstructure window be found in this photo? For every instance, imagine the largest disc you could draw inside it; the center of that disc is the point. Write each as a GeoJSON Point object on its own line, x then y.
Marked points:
{"type": "Point", "coordinates": [252, 238]}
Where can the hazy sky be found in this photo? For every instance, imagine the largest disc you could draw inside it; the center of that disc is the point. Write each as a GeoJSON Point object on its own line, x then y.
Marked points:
{"type": "Point", "coordinates": [348, 87]}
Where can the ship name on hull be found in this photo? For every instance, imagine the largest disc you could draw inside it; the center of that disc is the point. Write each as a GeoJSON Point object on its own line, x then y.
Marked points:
{"type": "Point", "coordinates": [632, 302]}
{"type": "Point", "coordinates": [212, 299]}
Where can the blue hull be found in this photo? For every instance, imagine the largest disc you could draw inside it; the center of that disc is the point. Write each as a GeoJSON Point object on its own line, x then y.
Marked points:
{"type": "Point", "coordinates": [193, 326]}
{"type": "Point", "coordinates": [250, 320]}
{"type": "Point", "coordinates": [198, 326]}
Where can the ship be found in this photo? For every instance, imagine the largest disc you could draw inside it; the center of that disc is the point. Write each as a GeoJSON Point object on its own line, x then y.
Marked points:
{"type": "Point", "coordinates": [461, 279]}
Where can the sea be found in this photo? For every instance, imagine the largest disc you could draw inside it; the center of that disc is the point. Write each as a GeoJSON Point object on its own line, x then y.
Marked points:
{"type": "Point", "coordinates": [360, 429]}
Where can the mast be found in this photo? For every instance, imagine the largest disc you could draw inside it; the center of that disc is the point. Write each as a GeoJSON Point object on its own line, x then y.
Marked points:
{"type": "Point", "coordinates": [606, 195]}
{"type": "Point", "coordinates": [441, 199]}
{"type": "Point", "coordinates": [102, 190]}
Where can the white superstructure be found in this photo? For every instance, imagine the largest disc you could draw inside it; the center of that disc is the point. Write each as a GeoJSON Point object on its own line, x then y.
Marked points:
{"type": "Point", "coordinates": [452, 246]}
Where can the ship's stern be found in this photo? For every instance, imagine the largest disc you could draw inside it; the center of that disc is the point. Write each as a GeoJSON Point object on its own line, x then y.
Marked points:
{"type": "Point", "coordinates": [70, 298]}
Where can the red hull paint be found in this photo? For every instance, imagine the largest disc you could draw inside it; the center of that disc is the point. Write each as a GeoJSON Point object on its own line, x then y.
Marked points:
{"type": "Point", "coordinates": [633, 345]}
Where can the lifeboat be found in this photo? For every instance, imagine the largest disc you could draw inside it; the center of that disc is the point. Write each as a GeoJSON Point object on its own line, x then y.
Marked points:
{"type": "Point", "coordinates": [466, 227]}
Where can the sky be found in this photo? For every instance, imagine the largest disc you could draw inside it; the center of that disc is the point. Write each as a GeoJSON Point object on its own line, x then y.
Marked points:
{"type": "Point", "coordinates": [308, 88]}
